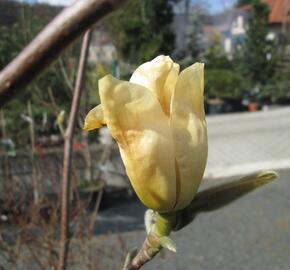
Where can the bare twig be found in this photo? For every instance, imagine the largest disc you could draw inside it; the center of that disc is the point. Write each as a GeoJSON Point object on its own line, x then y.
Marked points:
{"type": "Point", "coordinates": [65, 75]}
{"type": "Point", "coordinates": [55, 108]}
{"type": "Point", "coordinates": [6, 164]}
{"type": "Point", "coordinates": [64, 238]}
{"type": "Point", "coordinates": [3, 124]}
{"type": "Point", "coordinates": [35, 257]}
{"type": "Point", "coordinates": [61, 32]}
{"type": "Point", "coordinates": [104, 158]}
{"type": "Point", "coordinates": [35, 179]}
{"type": "Point", "coordinates": [87, 158]}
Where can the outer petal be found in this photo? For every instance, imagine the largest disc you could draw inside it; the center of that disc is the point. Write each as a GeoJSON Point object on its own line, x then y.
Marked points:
{"type": "Point", "coordinates": [94, 119]}
{"type": "Point", "coordinates": [136, 120]}
{"type": "Point", "coordinates": [189, 132]}
{"type": "Point", "coordinates": [160, 76]}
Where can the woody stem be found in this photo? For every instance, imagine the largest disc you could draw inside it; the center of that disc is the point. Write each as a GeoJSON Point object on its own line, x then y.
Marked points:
{"type": "Point", "coordinates": [152, 246]}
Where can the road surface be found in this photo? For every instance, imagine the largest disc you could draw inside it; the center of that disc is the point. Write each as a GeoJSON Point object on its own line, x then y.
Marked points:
{"type": "Point", "coordinates": [245, 142]}
{"type": "Point", "coordinates": [251, 233]}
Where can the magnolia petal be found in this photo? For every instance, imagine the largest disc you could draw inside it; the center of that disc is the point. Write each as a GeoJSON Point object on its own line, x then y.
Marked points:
{"type": "Point", "coordinates": [189, 132]}
{"type": "Point", "coordinates": [94, 119]}
{"type": "Point", "coordinates": [169, 87]}
{"type": "Point", "coordinates": [160, 76]}
{"type": "Point", "coordinates": [135, 119]}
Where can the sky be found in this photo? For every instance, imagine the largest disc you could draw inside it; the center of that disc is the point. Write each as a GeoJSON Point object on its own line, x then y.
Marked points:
{"type": "Point", "coordinates": [57, 2]}
{"type": "Point", "coordinates": [219, 5]}
{"type": "Point", "coordinates": [213, 5]}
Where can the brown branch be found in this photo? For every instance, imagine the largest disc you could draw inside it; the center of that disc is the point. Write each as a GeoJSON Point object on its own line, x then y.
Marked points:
{"type": "Point", "coordinates": [147, 252]}
{"type": "Point", "coordinates": [50, 42]}
{"type": "Point", "coordinates": [104, 158]}
{"type": "Point", "coordinates": [55, 108]}
{"type": "Point", "coordinates": [65, 75]}
{"type": "Point", "coordinates": [6, 164]}
{"type": "Point", "coordinates": [35, 180]}
{"type": "Point", "coordinates": [67, 161]}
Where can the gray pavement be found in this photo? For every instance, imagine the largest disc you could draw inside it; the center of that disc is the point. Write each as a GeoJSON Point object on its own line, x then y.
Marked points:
{"type": "Point", "coordinates": [246, 142]}
{"type": "Point", "coordinates": [251, 233]}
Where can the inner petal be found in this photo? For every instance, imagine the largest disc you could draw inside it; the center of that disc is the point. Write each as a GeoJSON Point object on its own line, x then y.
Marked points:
{"type": "Point", "coordinates": [160, 76]}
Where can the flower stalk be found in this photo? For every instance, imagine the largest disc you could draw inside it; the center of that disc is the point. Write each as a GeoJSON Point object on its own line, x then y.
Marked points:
{"type": "Point", "coordinates": [156, 239]}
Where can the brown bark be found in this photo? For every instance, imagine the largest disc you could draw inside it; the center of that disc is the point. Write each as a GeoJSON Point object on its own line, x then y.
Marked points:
{"type": "Point", "coordinates": [67, 161]}
{"type": "Point", "coordinates": [50, 42]}
{"type": "Point", "coordinates": [35, 180]}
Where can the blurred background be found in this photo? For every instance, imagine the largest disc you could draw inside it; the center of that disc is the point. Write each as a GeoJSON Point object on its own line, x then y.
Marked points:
{"type": "Point", "coordinates": [245, 45]}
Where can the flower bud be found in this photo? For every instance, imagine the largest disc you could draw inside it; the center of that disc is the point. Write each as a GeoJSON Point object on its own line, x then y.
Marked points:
{"type": "Point", "coordinates": [158, 121]}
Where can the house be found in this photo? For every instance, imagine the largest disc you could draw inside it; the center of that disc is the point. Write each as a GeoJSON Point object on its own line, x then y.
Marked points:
{"type": "Point", "coordinates": [235, 35]}
{"type": "Point", "coordinates": [279, 19]}
{"type": "Point", "coordinates": [184, 15]}
{"type": "Point", "coordinates": [232, 29]}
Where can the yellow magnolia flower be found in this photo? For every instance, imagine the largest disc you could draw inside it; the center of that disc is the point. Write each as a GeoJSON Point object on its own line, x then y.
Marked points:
{"type": "Point", "coordinates": [158, 121]}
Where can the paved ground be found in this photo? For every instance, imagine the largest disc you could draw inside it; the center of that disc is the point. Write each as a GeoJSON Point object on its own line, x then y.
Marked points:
{"type": "Point", "coordinates": [245, 142]}
{"type": "Point", "coordinates": [252, 233]}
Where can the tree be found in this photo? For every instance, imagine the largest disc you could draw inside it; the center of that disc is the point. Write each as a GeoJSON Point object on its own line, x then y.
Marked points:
{"type": "Point", "coordinates": [214, 56]}
{"type": "Point", "coordinates": [143, 30]}
{"type": "Point", "coordinates": [244, 2]}
{"type": "Point", "coordinates": [195, 35]}
{"type": "Point", "coordinates": [259, 52]}
{"type": "Point", "coordinates": [223, 83]}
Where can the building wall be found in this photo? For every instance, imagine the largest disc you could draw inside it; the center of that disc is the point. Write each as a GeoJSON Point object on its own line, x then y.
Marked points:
{"type": "Point", "coordinates": [236, 33]}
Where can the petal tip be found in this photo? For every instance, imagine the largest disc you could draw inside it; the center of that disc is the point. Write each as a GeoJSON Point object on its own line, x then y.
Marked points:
{"type": "Point", "coordinates": [89, 127]}
{"type": "Point", "coordinates": [106, 79]}
{"type": "Point", "coordinates": [85, 127]}
{"type": "Point", "coordinates": [199, 65]}
{"type": "Point", "coordinates": [94, 119]}
{"type": "Point", "coordinates": [271, 175]}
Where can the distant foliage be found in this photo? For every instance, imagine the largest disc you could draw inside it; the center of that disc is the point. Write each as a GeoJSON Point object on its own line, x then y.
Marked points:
{"type": "Point", "coordinates": [259, 52]}
{"type": "Point", "coordinates": [20, 23]}
{"type": "Point", "coordinates": [215, 58]}
{"type": "Point", "coordinates": [223, 83]}
{"type": "Point", "coordinates": [221, 77]}
{"type": "Point", "coordinates": [142, 30]}
{"type": "Point", "coordinates": [244, 2]}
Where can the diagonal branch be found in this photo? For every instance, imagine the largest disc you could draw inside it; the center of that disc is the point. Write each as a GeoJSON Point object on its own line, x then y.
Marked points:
{"type": "Point", "coordinates": [50, 42]}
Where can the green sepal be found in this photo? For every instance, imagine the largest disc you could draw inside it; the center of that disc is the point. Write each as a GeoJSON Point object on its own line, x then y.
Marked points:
{"type": "Point", "coordinates": [168, 243]}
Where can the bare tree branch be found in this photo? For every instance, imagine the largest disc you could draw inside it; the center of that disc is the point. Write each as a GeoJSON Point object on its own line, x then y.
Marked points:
{"type": "Point", "coordinates": [68, 141]}
{"type": "Point", "coordinates": [65, 75]}
{"type": "Point", "coordinates": [49, 43]}
{"type": "Point", "coordinates": [35, 180]}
